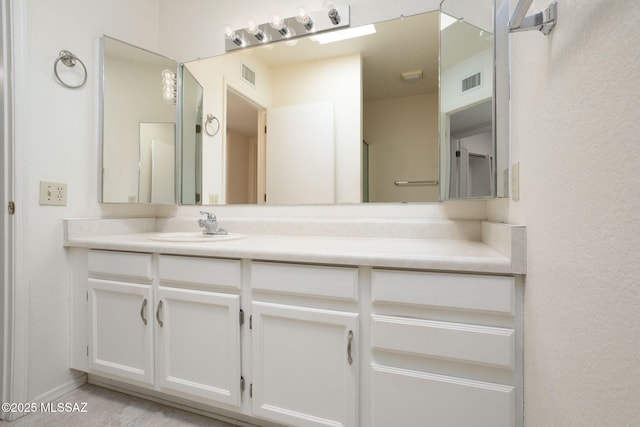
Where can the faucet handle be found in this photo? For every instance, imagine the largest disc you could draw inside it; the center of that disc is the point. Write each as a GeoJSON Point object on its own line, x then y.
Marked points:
{"type": "Point", "coordinates": [210, 216]}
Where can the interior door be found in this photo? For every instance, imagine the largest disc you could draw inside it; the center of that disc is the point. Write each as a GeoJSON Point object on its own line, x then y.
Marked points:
{"type": "Point", "coordinates": [304, 133]}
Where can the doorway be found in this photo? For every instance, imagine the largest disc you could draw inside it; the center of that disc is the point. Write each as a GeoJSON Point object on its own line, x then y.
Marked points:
{"type": "Point", "coordinates": [245, 148]}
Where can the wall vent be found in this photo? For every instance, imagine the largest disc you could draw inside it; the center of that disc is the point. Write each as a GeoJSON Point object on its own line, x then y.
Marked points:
{"type": "Point", "coordinates": [471, 82]}
{"type": "Point", "coordinates": [248, 75]}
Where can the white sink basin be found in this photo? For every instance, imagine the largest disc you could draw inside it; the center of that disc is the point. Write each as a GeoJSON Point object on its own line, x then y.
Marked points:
{"type": "Point", "coordinates": [196, 236]}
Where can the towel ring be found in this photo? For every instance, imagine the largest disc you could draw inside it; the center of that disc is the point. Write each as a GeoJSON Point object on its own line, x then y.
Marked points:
{"type": "Point", "coordinates": [210, 119]}
{"type": "Point", "coordinates": [69, 59]}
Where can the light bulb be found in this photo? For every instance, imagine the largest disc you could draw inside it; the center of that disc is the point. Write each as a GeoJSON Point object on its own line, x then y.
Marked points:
{"type": "Point", "coordinates": [255, 30]}
{"type": "Point", "coordinates": [277, 23]}
{"type": "Point", "coordinates": [334, 16]}
{"type": "Point", "coordinates": [231, 35]}
{"type": "Point", "coordinates": [304, 18]}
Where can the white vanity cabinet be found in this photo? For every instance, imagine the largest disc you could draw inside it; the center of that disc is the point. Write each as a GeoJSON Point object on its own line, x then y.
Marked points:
{"type": "Point", "coordinates": [445, 350]}
{"type": "Point", "coordinates": [305, 358]}
{"type": "Point", "coordinates": [170, 331]}
{"type": "Point", "coordinates": [120, 306]}
{"type": "Point", "coordinates": [320, 345]}
{"type": "Point", "coordinates": [198, 330]}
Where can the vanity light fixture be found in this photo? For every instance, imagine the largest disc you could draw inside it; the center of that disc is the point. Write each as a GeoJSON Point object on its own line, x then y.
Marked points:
{"type": "Point", "coordinates": [286, 29]}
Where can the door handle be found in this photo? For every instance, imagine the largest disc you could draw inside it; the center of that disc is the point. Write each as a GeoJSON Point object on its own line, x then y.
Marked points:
{"type": "Point", "coordinates": [349, 341]}
{"type": "Point", "coordinates": [160, 322]}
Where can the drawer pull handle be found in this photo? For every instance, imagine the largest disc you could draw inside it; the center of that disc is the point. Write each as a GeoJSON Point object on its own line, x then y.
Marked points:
{"type": "Point", "coordinates": [142, 310]}
{"type": "Point", "coordinates": [160, 322]}
{"type": "Point", "coordinates": [349, 340]}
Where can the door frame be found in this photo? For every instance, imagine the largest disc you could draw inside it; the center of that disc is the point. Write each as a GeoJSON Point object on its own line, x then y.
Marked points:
{"type": "Point", "coordinates": [6, 218]}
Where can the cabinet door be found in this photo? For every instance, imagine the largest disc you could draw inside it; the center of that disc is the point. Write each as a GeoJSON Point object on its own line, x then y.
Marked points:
{"type": "Point", "coordinates": [304, 365]}
{"type": "Point", "coordinates": [121, 330]}
{"type": "Point", "coordinates": [199, 344]}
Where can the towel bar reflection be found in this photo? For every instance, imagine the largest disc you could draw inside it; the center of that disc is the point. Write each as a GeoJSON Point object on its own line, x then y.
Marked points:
{"type": "Point", "coordinates": [430, 182]}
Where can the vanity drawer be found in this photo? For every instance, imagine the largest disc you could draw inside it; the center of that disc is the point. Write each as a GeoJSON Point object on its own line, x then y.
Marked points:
{"type": "Point", "coordinates": [296, 279]}
{"type": "Point", "coordinates": [408, 398]}
{"type": "Point", "coordinates": [120, 264]}
{"type": "Point", "coordinates": [482, 345]}
{"type": "Point", "coordinates": [451, 291]}
{"type": "Point", "coordinates": [217, 272]}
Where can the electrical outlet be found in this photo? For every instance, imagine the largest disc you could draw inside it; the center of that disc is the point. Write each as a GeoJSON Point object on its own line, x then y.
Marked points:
{"type": "Point", "coordinates": [53, 193]}
{"type": "Point", "coordinates": [213, 199]}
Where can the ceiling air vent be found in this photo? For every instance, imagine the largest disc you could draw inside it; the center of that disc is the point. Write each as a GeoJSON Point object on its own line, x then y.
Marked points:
{"type": "Point", "coordinates": [248, 75]}
{"type": "Point", "coordinates": [471, 82]}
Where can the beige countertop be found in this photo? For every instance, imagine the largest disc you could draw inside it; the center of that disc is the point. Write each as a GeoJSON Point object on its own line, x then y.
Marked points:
{"type": "Point", "coordinates": [411, 253]}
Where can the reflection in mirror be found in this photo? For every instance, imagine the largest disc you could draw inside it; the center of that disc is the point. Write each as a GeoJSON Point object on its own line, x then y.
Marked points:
{"type": "Point", "coordinates": [157, 158]}
{"type": "Point", "coordinates": [138, 126]}
{"type": "Point", "coordinates": [191, 137]}
{"type": "Point", "coordinates": [342, 124]}
{"type": "Point", "coordinates": [468, 156]}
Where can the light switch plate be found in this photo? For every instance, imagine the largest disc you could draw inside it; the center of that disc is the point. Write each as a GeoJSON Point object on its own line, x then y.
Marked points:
{"type": "Point", "coordinates": [53, 193]}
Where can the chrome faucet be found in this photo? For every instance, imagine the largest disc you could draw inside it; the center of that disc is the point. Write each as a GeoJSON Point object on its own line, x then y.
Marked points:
{"type": "Point", "coordinates": [210, 224]}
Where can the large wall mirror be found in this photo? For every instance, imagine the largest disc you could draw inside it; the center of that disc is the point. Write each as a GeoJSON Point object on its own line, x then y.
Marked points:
{"type": "Point", "coordinates": [343, 124]}
{"type": "Point", "coordinates": [404, 112]}
{"type": "Point", "coordinates": [138, 125]}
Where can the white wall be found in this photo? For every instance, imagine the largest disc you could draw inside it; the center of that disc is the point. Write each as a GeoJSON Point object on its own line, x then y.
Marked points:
{"type": "Point", "coordinates": [575, 130]}
{"type": "Point", "coordinates": [56, 139]}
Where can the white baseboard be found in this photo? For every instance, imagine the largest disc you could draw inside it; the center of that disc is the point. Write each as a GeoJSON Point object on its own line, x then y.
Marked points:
{"type": "Point", "coordinates": [52, 395]}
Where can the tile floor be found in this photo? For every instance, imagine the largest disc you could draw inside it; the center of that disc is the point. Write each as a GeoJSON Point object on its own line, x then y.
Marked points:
{"type": "Point", "coordinates": [110, 408]}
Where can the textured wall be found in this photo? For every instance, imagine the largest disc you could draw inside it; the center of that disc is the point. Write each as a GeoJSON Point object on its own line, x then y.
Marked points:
{"type": "Point", "coordinates": [574, 129]}
{"type": "Point", "coordinates": [56, 139]}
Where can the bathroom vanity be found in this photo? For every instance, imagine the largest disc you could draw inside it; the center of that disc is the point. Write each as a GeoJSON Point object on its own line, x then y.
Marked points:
{"type": "Point", "coordinates": [277, 327]}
